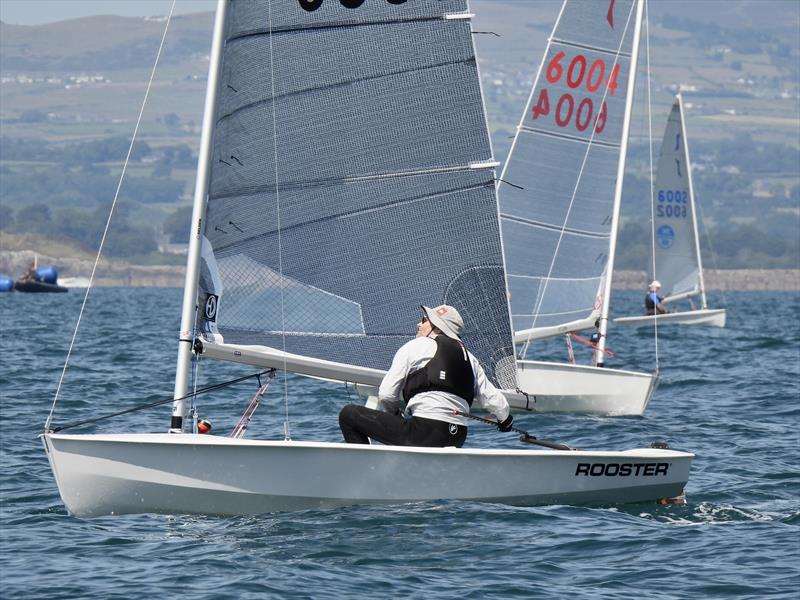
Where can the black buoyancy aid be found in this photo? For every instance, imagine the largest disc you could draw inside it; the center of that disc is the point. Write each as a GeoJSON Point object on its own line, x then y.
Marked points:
{"type": "Point", "coordinates": [450, 370]}
{"type": "Point", "coordinates": [649, 306]}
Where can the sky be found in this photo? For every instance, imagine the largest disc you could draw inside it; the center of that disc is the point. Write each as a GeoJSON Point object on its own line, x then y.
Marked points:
{"type": "Point", "coordinates": [40, 12]}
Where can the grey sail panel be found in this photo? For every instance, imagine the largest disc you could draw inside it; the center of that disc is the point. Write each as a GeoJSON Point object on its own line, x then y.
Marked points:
{"type": "Point", "coordinates": [341, 194]}
{"type": "Point", "coordinates": [676, 264]}
{"type": "Point", "coordinates": [557, 193]}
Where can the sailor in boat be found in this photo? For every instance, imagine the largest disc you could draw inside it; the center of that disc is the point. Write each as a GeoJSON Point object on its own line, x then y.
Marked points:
{"type": "Point", "coordinates": [435, 379]}
{"type": "Point", "coordinates": [31, 274]}
{"type": "Point", "coordinates": [652, 301]}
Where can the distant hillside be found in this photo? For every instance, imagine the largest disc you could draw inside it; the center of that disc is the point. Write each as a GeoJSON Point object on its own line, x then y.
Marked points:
{"type": "Point", "coordinates": [70, 93]}
{"type": "Point", "coordinates": [103, 43]}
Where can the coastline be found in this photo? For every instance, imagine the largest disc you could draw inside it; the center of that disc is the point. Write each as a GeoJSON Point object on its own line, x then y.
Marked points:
{"type": "Point", "coordinates": [120, 274]}
{"type": "Point", "coordinates": [742, 280]}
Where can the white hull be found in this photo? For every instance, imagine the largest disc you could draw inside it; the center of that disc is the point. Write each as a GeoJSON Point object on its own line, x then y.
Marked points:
{"type": "Point", "coordinates": [204, 474]}
{"type": "Point", "coordinates": [712, 317]}
{"type": "Point", "coordinates": [568, 388]}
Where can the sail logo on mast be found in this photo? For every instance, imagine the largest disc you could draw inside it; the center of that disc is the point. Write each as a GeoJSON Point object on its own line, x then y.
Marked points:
{"type": "Point", "coordinates": [610, 15]}
{"type": "Point", "coordinates": [210, 308]}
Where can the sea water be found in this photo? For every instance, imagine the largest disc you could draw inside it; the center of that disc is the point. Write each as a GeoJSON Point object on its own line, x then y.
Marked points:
{"type": "Point", "coordinates": [729, 395]}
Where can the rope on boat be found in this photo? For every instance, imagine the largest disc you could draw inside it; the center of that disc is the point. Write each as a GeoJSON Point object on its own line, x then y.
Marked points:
{"type": "Point", "coordinates": [570, 351]}
{"type": "Point", "coordinates": [652, 175]}
{"type": "Point", "coordinates": [286, 433]}
{"type": "Point", "coordinates": [593, 346]}
{"type": "Point", "coordinates": [244, 422]}
{"type": "Point", "coordinates": [710, 247]}
{"type": "Point", "coordinates": [210, 388]}
{"type": "Point", "coordinates": [108, 221]}
{"type": "Point", "coordinates": [524, 435]}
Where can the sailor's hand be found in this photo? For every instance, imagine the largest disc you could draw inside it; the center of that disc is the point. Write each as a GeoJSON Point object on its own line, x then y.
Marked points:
{"type": "Point", "coordinates": [505, 425]}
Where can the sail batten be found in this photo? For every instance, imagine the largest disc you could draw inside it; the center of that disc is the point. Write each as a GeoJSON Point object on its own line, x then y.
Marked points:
{"type": "Point", "coordinates": [353, 180]}
{"type": "Point", "coordinates": [601, 50]}
{"type": "Point", "coordinates": [542, 225]}
{"type": "Point", "coordinates": [564, 136]}
{"type": "Point", "coordinates": [337, 84]}
{"type": "Point", "coordinates": [377, 176]}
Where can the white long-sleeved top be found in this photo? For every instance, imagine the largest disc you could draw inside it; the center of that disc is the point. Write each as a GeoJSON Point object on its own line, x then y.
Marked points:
{"type": "Point", "coordinates": [435, 404]}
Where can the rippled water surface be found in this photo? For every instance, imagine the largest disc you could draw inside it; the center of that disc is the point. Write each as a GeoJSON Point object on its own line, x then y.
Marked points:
{"type": "Point", "coordinates": [729, 395]}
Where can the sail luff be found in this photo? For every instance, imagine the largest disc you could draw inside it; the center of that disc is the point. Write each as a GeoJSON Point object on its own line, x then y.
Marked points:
{"type": "Point", "coordinates": [688, 163]}
{"type": "Point", "coordinates": [626, 123]}
{"type": "Point", "coordinates": [192, 277]}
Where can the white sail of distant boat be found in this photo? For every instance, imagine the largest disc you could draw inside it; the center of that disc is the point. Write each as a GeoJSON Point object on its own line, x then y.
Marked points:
{"type": "Point", "coordinates": [559, 199]}
{"type": "Point", "coordinates": [345, 177]}
{"type": "Point", "coordinates": [678, 264]}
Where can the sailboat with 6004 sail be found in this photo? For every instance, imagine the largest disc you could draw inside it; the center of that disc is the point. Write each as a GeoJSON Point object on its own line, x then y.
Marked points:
{"type": "Point", "coordinates": [560, 195]}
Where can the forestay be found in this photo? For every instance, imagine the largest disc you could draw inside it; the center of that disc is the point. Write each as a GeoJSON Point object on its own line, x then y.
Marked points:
{"type": "Point", "coordinates": [676, 255]}
{"type": "Point", "coordinates": [352, 180]}
{"type": "Point", "coordinates": [557, 189]}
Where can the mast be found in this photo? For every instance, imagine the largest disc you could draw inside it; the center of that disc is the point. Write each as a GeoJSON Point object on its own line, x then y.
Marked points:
{"type": "Point", "coordinates": [186, 338]}
{"type": "Point", "coordinates": [626, 124]}
{"type": "Point", "coordinates": [691, 203]}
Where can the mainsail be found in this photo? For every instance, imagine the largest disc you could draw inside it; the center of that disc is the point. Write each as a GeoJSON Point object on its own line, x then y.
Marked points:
{"type": "Point", "coordinates": [677, 256]}
{"type": "Point", "coordinates": [558, 185]}
{"type": "Point", "coordinates": [352, 180]}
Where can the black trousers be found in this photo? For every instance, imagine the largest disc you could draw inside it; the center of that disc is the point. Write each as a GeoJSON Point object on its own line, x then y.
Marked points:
{"type": "Point", "coordinates": [358, 423]}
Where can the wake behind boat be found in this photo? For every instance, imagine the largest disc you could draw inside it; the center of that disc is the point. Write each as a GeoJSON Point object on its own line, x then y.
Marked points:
{"type": "Point", "coordinates": [677, 260]}
{"type": "Point", "coordinates": [271, 264]}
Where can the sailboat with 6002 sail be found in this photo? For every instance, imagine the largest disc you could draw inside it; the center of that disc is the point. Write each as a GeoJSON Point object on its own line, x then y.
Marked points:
{"type": "Point", "coordinates": [677, 262]}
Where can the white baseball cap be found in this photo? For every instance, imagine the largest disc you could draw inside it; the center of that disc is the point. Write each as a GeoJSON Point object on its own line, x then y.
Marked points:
{"type": "Point", "coordinates": [655, 285]}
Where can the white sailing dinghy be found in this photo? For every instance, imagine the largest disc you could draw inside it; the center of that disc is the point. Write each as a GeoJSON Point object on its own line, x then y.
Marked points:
{"type": "Point", "coordinates": [345, 177]}
{"type": "Point", "coordinates": [559, 200]}
{"type": "Point", "coordinates": [677, 262]}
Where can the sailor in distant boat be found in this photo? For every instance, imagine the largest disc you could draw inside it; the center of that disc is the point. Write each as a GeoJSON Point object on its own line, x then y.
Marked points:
{"type": "Point", "coordinates": [434, 378]}
{"type": "Point", "coordinates": [31, 274]}
{"type": "Point", "coordinates": [652, 301]}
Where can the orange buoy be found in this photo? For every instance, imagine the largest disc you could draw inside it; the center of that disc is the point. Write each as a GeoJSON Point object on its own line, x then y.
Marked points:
{"type": "Point", "coordinates": [203, 426]}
